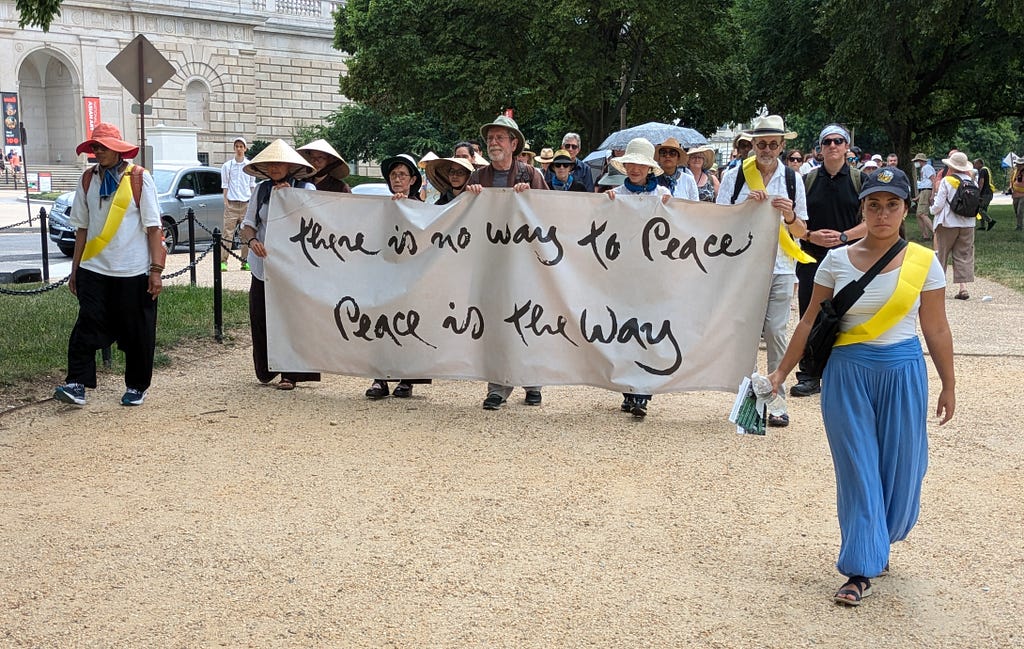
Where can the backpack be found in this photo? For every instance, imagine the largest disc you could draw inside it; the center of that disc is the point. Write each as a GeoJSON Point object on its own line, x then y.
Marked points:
{"type": "Point", "coordinates": [136, 180]}
{"type": "Point", "coordinates": [967, 198]}
{"type": "Point", "coordinates": [790, 184]}
{"type": "Point", "coordinates": [855, 175]}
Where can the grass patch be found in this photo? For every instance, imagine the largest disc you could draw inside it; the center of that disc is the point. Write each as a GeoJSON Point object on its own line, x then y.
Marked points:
{"type": "Point", "coordinates": [34, 329]}
{"type": "Point", "coordinates": [999, 252]}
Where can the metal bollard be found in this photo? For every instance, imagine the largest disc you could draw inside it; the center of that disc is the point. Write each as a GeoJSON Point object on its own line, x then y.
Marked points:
{"type": "Point", "coordinates": [44, 244]}
{"type": "Point", "coordinates": [218, 307]}
{"type": "Point", "coordinates": [192, 246]}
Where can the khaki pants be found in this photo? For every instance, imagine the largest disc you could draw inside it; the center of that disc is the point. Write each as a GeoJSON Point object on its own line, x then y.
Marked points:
{"type": "Point", "coordinates": [924, 220]}
{"type": "Point", "coordinates": [234, 212]}
{"type": "Point", "coordinates": [958, 242]}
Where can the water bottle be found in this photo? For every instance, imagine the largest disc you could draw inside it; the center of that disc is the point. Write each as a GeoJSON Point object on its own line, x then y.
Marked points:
{"type": "Point", "coordinates": [775, 404]}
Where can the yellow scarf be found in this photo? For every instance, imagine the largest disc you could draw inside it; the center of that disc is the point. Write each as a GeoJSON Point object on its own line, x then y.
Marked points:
{"type": "Point", "coordinates": [118, 207]}
{"type": "Point", "coordinates": [916, 262]}
{"type": "Point", "coordinates": [786, 242]}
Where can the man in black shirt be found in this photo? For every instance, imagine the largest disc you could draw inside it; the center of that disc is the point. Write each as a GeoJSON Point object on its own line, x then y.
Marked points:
{"type": "Point", "coordinates": [833, 219]}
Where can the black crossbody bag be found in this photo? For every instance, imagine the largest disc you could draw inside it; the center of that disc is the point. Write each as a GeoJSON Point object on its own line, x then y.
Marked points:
{"type": "Point", "coordinates": [825, 329]}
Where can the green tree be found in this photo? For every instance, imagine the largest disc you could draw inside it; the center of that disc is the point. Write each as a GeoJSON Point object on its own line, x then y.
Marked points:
{"type": "Point", "coordinates": [575, 64]}
{"type": "Point", "coordinates": [37, 13]}
{"type": "Point", "coordinates": [915, 68]}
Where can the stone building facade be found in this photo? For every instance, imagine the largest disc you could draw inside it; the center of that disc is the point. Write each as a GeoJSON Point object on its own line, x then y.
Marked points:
{"type": "Point", "coordinates": [255, 68]}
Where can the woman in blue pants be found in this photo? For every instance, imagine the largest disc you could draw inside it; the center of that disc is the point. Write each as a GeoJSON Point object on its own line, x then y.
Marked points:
{"type": "Point", "coordinates": [874, 397]}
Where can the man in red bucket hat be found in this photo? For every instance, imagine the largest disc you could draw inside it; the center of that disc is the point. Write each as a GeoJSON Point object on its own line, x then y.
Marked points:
{"type": "Point", "coordinates": [116, 267]}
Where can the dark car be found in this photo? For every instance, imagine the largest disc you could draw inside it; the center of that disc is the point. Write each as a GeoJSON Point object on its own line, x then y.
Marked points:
{"type": "Point", "coordinates": [178, 189]}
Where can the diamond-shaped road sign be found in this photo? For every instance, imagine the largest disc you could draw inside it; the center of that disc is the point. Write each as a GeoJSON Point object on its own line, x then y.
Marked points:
{"type": "Point", "coordinates": [141, 69]}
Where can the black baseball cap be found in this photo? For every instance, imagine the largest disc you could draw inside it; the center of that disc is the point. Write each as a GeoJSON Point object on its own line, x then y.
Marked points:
{"type": "Point", "coordinates": [886, 179]}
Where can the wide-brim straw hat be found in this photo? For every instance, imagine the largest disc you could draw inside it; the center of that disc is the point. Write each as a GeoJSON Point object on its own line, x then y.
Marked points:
{"type": "Point", "coordinates": [561, 156]}
{"type": "Point", "coordinates": [546, 155]}
{"type": "Point", "coordinates": [959, 162]}
{"type": "Point", "coordinates": [405, 160]}
{"type": "Point", "coordinates": [529, 153]}
{"type": "Point", "coordinates": [920, 157]}
{"type": "Point", "coordinates": [108, 135]}
{"type": "Point", "coordinates": [705, 152]}
{"type": "Point", "coordinates": [638, 151]}
{"type": "Point", "coordinates": [673, 143]}
{"type": "Point", "coordinates": [427, 157]}
{"type": "Point", "coordinates": [337, 169]}
{"type": "Point", "coordinates": [510, 124]}
{"type": "Point", "coordinates": [279, 151]}
{"type": "Point", "coordinates": [437, 171]}
{"type": "Point", "coordinates": [770, 126]}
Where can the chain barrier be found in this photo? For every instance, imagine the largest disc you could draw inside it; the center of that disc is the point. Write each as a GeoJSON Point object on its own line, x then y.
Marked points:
{"type": "Point", "coordinates": [14, 225]}
{"type": "Point", "coordinates": [35, 291]}
{"type": "Point", "coordinates": [230, 252]}
{"type": "Point", "coordinates": [50, 287]}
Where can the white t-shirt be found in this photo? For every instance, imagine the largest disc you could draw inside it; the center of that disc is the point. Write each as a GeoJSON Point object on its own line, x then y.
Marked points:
{"type": "Point", "coordinates": [836, 271]}
{"type": "Point", "coordinates": [127, 254]}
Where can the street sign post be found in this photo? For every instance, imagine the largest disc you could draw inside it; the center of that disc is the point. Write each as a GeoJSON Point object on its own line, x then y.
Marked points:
{"type": "Point", "coordinates": [142, 70]}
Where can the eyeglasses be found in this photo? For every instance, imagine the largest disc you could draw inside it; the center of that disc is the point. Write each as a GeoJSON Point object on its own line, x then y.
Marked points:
{"type": "Point", "coordinates": [762, 145]}
{"type": "Point", "coordinates": [570, 146]}
{"type": "Point", "coordinates": [398, 175]}
{"type": "Point", "coordinates": [99, 148]}
{"type": "Point", "coordinates": [829, 141]}
{"type": "Point", "coordinates": [670, 152]}
{"type": "Point", "coordinates": [456, 170]}
{"type": "Point", "coordinates": [498, 137]}
{"type": "Point", "coordinates": [795, 158]}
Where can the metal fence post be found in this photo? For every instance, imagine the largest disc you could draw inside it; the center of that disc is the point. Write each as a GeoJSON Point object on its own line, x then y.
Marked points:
{"type": "Point", "coordinates": [192, 246]}
{"type": "Point", "coordinates": [43, 239]}
{"type": "Point", "coordinates": [218, 307]}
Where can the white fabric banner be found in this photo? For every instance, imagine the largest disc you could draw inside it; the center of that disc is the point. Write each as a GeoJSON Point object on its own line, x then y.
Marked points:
{"type": "Point", "coordinates": [534, 288]}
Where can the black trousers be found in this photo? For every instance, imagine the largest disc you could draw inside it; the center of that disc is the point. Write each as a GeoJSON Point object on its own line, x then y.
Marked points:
{"type": "Point", "coordinates": [258, 324]}
{"type": "Point", "coordinates": [113, 309]}
{"type": "Point", "coordinates": [805, 275]}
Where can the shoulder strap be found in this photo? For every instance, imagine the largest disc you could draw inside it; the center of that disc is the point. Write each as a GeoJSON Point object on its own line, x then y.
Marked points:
{"type": "Point", "coordinates": [809, 179]}
{"type": "Point", "coordinates": [790, 183]}
{"type": "Point", "coordinates": [740, 181]}
{"type": "Point", "coordinates": [136, 181]}
{"type": "Point", "coordinates": [913, 273]}
{"type": "Point", "coordinates": [87, 177]}
{"type": "Point", "coordinates": [850, 293]}
{"type": "Point", "coordinates": [857, 177]}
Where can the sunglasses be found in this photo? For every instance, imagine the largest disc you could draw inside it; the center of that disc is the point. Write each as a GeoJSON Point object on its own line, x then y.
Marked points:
{"type": "Point", "coordinates": [570, 146]}
{"type": "Point", "coordinates": [838, 141]}
{"type": "Point", "coordinates": [567, 165]}
{"type": "Point", "coordinates": [795, 158]}
{"type": "Point", "coordinates": [671, 152]}
{"type": "Point", "coordinates": [774, 146]}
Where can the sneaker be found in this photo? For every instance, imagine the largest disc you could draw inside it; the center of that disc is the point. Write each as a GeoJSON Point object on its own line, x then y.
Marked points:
{"type": "Point", "coordinates": [133, 397]}
{"type": "Point", "coordinates": [245, 265]}
{"type": "Point", "coordinates": [493, 401]}
{"type": "Point", "coordinates": [639, 407]}
{"type": "Point", "coordinates": [627, 403]}
{"type": "Point", "coordinates": [805, 388]}
{"type": "Point", "coordinates": [73, 393]}
{"type": "Point", "coordinates": [533, 397]}
{"type": "Point", "coordinates": [778, 421]}
{"type": "Point", "coordinates": [223, 266]}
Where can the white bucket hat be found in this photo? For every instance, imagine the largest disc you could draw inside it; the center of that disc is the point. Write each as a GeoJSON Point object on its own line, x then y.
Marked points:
{"type": "Point", "coordinates": [638, 151]}
{"type": "Point", "coordinates": [959, 162]}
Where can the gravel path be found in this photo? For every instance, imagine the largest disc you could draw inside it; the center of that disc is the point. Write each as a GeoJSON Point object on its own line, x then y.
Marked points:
{"type": "Point", "coordinates": [225, 513]}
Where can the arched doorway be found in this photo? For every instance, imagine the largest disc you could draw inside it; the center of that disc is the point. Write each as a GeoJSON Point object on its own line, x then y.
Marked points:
{"type": "Point", "coordinates": [50, 96]}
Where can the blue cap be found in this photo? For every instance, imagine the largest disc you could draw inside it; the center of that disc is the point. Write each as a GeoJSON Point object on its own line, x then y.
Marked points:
{"type": "Point", "coordinates": [886, 179]}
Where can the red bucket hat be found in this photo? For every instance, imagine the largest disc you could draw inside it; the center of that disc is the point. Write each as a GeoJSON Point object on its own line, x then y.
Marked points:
{"type": "Point", "coordinates": [107, 134]}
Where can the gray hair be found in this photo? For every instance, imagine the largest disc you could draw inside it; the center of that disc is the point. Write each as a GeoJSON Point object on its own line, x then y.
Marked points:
{"type": "Point", "coordinates": [571, 136]}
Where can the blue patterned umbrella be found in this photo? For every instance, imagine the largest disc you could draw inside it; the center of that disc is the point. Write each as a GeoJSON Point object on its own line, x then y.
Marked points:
{"type": "Point", "coordinates": [655, 133]}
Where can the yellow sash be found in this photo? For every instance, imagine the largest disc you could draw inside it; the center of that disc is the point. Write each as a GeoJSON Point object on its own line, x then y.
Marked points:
{"type": "Point", "coordinates": [786, 242]}
{"type": "Point", "coordinates": [954, 182]}
{"type": "Point", "coordinates": [118, 207]}
{"type": "Point", "coordinates": [916, 262]}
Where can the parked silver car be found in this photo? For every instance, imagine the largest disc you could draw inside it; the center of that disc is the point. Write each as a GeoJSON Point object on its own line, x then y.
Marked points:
{"type": "Point", "coordinates": [178, 189]}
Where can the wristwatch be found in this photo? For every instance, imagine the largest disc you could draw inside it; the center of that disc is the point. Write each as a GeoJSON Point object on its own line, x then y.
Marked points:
{"type": "Point", "coordinates": [843, 238]}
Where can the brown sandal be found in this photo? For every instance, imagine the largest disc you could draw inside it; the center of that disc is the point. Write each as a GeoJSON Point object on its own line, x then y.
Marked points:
{"type": "Point", "coordinates": [286, 384]}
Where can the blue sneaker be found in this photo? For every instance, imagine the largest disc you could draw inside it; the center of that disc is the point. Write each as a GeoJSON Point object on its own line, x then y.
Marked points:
{"type": "Point", "coordinates": [133, 397]}
{"type": "Point", "coordinates": [73, 393]}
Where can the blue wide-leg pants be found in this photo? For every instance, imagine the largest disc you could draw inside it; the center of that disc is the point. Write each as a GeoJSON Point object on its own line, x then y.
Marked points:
{"type": "Point", "coordinates": [874, 401]}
